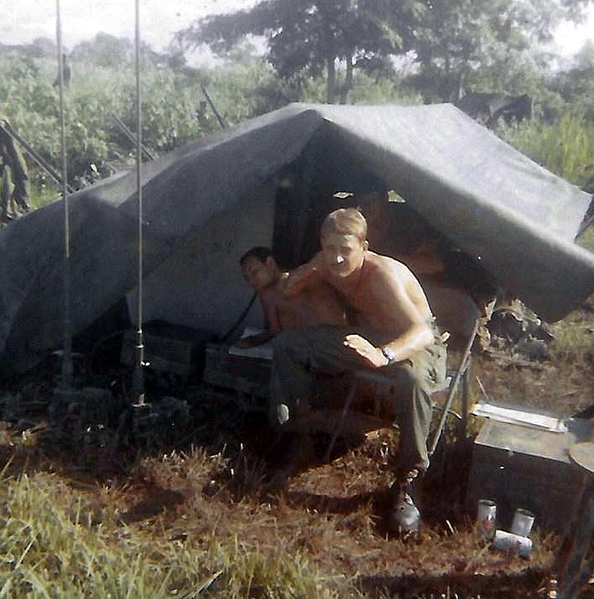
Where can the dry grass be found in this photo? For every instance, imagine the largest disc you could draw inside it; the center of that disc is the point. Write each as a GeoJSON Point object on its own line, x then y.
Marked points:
{"type": "Point", "coordinates": [178, 522]}
{"type": "Point", "coordinates": [196, 518]}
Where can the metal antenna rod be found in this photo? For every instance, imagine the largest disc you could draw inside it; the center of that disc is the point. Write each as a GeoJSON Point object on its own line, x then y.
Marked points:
{"type": "Point", "coordinates": [138, 377]}
{"type": "Point", "coordinates": [67, 370]}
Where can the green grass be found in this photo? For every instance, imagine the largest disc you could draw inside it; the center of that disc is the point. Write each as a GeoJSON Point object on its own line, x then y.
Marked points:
{"type": "Point", "coordinates": [54, 545]}
{"type": "Point", "coordinates": [586, 240]}
{"type": "Point", "coordinates": [574, 341]}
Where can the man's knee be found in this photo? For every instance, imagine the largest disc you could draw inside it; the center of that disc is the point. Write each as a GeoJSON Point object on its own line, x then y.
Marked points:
{"type": "Point", "coordinates": [410, 391]}
{"type": "Point", "coordinates": [287, 341]}
{"type": "Point", "coordinates": [278, 415]}
{"type": "Point", "coordinates": [408, 378]}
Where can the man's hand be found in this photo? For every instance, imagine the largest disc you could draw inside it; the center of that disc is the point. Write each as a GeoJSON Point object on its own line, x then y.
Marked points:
{"type": "Point", "coordinates": [371, 354]}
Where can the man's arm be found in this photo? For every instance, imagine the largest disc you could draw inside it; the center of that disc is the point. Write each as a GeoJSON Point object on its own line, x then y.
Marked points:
{"type": "Point", "coordinates": [408, 305]}
{"type": "Point", "coordinates": [271, 317]}
{"type": "Point", "coordinates": [414, 339]}
{"type": "Point", "coordinates": [304, 276]}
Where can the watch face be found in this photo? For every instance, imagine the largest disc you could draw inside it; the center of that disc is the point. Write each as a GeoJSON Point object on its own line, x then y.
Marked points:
{"type": "Point", "coordinates": [390, 355]}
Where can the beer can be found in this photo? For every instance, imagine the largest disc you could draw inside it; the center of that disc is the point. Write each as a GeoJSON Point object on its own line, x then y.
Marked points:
{"type": "Point", "coordinates": [522, 522]}
{"type": "Point", "coordinates": [507, 541]}
{"type": "Point", "coordinates": [486, 518]}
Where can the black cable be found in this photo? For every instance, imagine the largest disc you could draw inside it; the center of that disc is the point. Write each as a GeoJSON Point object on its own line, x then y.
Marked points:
{"type": "Point", "coordinates": [240, 319]}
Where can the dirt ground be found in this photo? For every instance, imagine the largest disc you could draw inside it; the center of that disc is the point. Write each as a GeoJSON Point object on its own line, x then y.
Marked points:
{"type": "Point", "coordinates": [211, 470]}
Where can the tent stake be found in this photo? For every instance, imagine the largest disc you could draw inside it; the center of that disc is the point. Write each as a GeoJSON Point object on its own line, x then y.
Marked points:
{"type": "Point", "coordinates": [131, 137]}
{"type": "Point", "coordinates": [221, 120]}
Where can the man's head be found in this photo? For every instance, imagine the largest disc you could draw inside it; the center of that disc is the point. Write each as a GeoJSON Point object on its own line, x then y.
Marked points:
{"type": "Point", "coordinates": [259, 268]}
{"type": "Point", "coordinates": [344, 241]}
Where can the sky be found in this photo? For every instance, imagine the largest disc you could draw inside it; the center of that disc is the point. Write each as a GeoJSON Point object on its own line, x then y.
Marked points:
{"type": "Point", "coordinates": [159, 20]}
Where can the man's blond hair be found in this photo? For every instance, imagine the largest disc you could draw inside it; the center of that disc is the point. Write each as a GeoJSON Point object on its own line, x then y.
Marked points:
{"type": "Point", "coordinates": [345, 221]}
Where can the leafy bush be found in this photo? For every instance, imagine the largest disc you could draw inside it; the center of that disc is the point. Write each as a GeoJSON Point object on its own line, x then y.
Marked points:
{"type": "Point", "coordinates": [565, 146]}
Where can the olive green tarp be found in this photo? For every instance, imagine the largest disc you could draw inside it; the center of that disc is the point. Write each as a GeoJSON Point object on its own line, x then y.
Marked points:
{"type": "Point", "coordinates": [507, 213]}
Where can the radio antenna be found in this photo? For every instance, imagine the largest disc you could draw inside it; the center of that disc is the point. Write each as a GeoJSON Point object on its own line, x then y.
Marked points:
{"type": "Point", "coordinates": [67, 369]}
{"type": "Point", "coordinates": [138, 376]}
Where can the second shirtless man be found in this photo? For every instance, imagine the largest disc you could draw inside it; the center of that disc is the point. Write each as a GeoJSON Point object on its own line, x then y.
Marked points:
{"type": "Point", "coordinates": [319, 304]}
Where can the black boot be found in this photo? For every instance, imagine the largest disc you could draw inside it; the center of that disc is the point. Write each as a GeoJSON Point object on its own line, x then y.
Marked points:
{"type": "Point", "coordinates": [404, 517]}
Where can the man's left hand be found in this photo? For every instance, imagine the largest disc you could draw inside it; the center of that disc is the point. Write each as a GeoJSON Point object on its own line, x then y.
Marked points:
{"type": "Point", "coordinates": [371, 354]}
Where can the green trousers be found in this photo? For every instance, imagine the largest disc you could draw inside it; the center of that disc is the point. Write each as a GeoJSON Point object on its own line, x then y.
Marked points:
{"type": "Point", "coordinates": [299, 354]}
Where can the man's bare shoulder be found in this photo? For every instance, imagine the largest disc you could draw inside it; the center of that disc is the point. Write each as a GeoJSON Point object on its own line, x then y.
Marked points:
{"type": "Point", "coordinates": [389, 266]}
{"type": "Point", "coordinates": [274, 291]}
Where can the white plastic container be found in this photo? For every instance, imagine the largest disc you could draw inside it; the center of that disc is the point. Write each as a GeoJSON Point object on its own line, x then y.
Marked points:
{"type": "Point", "coordinates": [522, 523]}
{"type": "Point", "coordinates": [486, 518]}
{"type": "Point", "coordinates": [509, 542]}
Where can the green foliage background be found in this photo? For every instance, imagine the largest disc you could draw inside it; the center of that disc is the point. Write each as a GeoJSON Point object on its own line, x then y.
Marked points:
{"type": "Point", "coordinates": [560, 136]}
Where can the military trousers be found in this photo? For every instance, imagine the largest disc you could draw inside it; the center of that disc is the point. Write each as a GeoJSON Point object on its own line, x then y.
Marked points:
{"type": "Point", "coordinates": [301, 353]}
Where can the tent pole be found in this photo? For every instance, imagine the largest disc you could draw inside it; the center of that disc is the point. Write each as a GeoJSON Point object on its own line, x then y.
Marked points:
{"type": "Point", "coordinates": [221, 120]}
{"type": "Point", "coordinates": [452, 391]}
{"type": "Point", "coordinates": [131, 137]}
{"type": "Point", "coordinates": [67, 369]}
{"type": "Point", "coordinates": [138, 376]}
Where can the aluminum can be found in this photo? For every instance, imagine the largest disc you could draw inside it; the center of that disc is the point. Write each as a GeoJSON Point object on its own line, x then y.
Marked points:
{"type": "Point", "coordinates": [522, 523]}
{"type": "Point", "coordinates": [486, 518]}
{"type": "Point", "coordinates": [511, 543]}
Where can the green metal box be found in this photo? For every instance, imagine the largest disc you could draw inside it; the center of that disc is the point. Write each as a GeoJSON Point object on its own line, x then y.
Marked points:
{"type": "Point", "coordinates": [244, 374]}
{"type": "Point", "coordinates": [520, 466]}
{"type": "Point", "coordinates": [169, 348]}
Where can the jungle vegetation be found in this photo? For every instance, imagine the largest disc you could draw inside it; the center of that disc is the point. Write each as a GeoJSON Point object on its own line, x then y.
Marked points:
{"type": "Point", "coordinates": [366, 52]}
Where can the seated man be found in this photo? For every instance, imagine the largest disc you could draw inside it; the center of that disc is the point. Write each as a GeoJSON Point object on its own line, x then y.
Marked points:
{"type": "Point", "coordinates": [392, 330]}
{"type": "Point", "coordinates": [319, 304]}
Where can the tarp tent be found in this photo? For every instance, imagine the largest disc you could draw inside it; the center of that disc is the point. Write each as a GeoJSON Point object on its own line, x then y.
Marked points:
{"type": "Point", "coordinates": [207, 202]}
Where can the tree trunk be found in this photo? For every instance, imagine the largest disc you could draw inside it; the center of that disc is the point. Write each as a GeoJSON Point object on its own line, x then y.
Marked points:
{"type": "Point", "coordinates": [348, 80]}
{"type": "Point", "coordinates": [331, 81]}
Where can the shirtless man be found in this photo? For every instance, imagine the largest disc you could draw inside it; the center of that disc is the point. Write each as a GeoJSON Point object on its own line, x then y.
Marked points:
{"type": "Point", "coordinates": [317, 305]}
{"type": "Point", "coordinates": [392, 330]}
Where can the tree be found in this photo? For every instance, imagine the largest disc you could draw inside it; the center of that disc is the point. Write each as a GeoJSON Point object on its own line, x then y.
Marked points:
{"type": "Point", "coordinates": [451, 41]}
{"type": "Point", "coordinates": [460, 40]}
{"type": "Point", "coordinates": [105, 50]}
{"type": "Point", "coordinates": [576, 84]}
{"type": "Point", "coordinates": [109, 51]}
{"type": "Point", "coordinates": [307, 38]}
{"type": "Point", "coordinates": [43, 47]}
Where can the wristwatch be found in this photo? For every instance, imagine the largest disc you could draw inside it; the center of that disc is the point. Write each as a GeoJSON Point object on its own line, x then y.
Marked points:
{"type": "Point", "coordinates": [389, 354]}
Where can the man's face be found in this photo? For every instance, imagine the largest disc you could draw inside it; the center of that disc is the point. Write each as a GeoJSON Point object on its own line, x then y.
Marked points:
{"type": "Point", "coordinates": [258, 275]}
{"type": "Point", "coordinates": [343, 254]}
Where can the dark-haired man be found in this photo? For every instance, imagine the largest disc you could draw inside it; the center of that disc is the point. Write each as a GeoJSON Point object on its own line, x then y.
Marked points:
{"type": "Point", "coordinates": [320, 304]}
